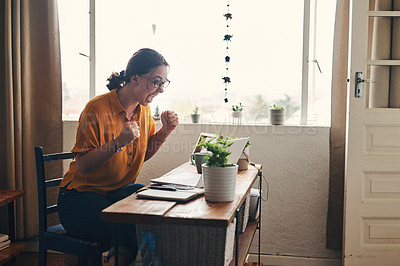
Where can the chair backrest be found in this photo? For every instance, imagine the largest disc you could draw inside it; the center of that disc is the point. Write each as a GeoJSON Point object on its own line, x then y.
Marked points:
{"type": "Point", "coordinates": [43, 184]}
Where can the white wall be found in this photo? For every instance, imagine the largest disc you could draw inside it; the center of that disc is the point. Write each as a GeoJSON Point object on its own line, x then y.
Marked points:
{"type": "Point", "coordinates": [295, 164]}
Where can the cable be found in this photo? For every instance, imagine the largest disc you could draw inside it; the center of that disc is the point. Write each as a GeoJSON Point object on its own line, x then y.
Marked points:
{"type": "Point", "coordinates": [266, 181]}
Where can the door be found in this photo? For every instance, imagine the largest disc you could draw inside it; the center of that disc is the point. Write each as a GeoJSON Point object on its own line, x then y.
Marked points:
{"type": "Point", "coordinates": [372, 175]}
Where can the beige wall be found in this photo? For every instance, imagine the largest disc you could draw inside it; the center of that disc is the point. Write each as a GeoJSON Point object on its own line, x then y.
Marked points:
{"type": "Point", "coordinates": [295, 163]}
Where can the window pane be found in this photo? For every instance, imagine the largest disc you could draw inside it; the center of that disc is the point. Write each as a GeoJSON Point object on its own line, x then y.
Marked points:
{"type": "Point", "coordinates": [265, 52]}
{"type": "Point", "coordinates": [320, 105]}
{"type": "Point", "coordinates": [74, 39]}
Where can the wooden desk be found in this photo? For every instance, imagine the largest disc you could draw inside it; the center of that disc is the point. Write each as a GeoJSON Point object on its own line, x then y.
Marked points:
{"type": "Point", "coordinates": [197, 212]}
{"type": "Point", "coordinates": [7, 197]}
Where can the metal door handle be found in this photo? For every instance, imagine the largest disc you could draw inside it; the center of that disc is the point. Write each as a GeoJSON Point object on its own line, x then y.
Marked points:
{"type": "Point", "coordinates": [365, 80]}
{"type": "Point", "coordinates": [358, 84]}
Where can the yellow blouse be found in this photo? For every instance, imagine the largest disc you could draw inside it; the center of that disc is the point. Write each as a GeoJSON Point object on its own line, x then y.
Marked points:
{"type": "Point", "coordinates": [101, 121]}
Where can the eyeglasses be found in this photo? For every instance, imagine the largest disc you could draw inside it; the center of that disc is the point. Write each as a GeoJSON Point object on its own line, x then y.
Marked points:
{"type": "Point", "coordinates": [159, 84]}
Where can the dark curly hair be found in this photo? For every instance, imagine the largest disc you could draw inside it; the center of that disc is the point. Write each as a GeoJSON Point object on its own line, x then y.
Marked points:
{"type": "Point", "coordinates": [141, 63]}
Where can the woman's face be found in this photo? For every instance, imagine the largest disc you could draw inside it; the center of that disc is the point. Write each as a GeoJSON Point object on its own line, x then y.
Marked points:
{"type": "Point", "coordinates": [151, 84]}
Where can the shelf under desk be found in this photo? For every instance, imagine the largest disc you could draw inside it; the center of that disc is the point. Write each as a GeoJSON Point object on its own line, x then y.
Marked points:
{"type": "Point", "coordinates": [245, 240]}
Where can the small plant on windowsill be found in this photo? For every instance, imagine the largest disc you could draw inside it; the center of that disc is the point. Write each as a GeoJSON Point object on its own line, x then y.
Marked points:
{"type": "Point", "coordinates": [276, 107]}
{"type": "Point", "coordinates": [156, 116]}
{"type": "Point", "coordinates": [237, 107]}
{"type": "Point", "coordinates": [219, 176]}
{"type": "Point", "coordinates": [195, 116]}
{"type": "Point", "coordinates": [276, 114]}
{"type": "Point", "coordinates": [237, 113]}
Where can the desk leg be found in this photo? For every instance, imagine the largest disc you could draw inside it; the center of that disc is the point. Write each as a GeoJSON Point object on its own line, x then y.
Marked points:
{"type": "Point", "coordinates": [11, 221]}
{"type": "Point", "coordinates": [237, 238]}
{"type": "Point", "coordinates": [259, 220]}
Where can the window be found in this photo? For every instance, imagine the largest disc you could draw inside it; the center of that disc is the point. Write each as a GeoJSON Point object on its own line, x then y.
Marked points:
{"type": "Point", "coordinates": [74, 32]}
{"type": "Point", "coordinates": [266, 54]}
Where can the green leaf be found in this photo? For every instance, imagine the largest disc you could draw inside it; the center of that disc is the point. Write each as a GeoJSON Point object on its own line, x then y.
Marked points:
{"type": "Point", "coordinates": [219, 151]}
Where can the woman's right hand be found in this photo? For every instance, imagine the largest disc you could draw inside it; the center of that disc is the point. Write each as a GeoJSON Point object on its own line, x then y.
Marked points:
{"type": "Point", "coordinates": [129, 133]}
{"type": "Point", "coordinates": [93, 159]}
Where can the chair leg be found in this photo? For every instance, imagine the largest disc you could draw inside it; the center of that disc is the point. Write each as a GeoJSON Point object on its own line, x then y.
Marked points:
{"type": "Point", "coordinates": [42, 256]}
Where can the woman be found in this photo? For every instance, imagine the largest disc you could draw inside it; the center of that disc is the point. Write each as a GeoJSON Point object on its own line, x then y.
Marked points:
{"type": "Point", "coordinates": [115, 135]}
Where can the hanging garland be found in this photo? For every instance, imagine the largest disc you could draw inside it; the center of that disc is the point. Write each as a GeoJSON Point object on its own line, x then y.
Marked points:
{"type": "Point", "coordinates": [227, 39]}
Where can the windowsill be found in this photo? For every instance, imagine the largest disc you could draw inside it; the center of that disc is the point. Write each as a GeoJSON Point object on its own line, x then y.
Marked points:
{"type": "Point", "coordinates": [246, 124]}
{"type": "Point", "coordinates": [70, 117]}
{"type": "Point", "coordinates": [205, 125]}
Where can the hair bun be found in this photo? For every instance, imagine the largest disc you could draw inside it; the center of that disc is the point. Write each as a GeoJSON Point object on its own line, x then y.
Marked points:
{"type": "Point", "coordinates": [116, 81]}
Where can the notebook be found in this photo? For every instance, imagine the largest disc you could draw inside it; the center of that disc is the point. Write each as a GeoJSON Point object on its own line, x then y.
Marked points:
{"type": "Point", "coordinates": [178, 195]}
{"type": "Point", "coordinates": [3, 237]}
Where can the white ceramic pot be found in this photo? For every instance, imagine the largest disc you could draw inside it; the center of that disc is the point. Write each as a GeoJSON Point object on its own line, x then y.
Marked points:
{"type": "Point", "coordinates": [195, 118]}
{"type": "Point", "coordinates": [219, 183]}
{"type": "Point", "coordinates": [276, 116]}
{"type": "Point", "coordinates": [237, 114]}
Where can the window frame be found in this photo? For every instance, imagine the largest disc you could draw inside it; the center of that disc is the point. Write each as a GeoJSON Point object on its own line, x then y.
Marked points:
{"type": "Point", "coordinates": [92, 48]}
{"type": "Point", "coordinates": [309, 44]}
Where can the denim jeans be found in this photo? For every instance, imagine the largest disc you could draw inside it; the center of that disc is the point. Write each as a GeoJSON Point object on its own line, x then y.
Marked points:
{"type": "Point", "coordinates": [79, 213]}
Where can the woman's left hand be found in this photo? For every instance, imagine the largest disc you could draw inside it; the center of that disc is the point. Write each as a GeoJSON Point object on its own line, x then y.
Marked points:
{"type": "Point", "coordinates": [169, 120]}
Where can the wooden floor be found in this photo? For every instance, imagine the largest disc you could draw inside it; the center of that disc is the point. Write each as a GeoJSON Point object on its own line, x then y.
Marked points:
{"type": "Point", "coordinates": [31, 259]}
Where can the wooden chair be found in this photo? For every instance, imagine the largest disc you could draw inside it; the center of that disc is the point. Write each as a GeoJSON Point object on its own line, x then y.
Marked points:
{"type": "Point", "coordinates": [55, 237]}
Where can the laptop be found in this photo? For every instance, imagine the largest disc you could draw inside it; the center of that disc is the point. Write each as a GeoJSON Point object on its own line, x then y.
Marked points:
{"type": "Point", "coordinates": [168, 195]}
{"type": "Point", "coordinates": [203, 136]}
{"type": "Point", "coordinates": [236, 149]}
{"type": "Point", "coordinates": [193, 179]}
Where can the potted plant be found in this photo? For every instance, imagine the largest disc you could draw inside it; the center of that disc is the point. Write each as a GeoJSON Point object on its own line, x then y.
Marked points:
{"type": "Point", "coordinates": [156, 116]}
{"type": "Point", "coordinates": [237, 113]}
{"type": "Point", "coordinates": [219, 176]}
{"type": "Point", "coordinates": [195, 116]}
{"type": "Point", "coordinates": [276, 114]}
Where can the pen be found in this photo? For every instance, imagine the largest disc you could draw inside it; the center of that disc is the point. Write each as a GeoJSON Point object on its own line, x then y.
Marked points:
{"type": "Point", "coordinates": [163, 188]}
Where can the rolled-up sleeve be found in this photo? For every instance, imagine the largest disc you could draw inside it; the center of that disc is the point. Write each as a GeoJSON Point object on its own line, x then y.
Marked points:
{"type": "Point", "coordinates": [87, 136]}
